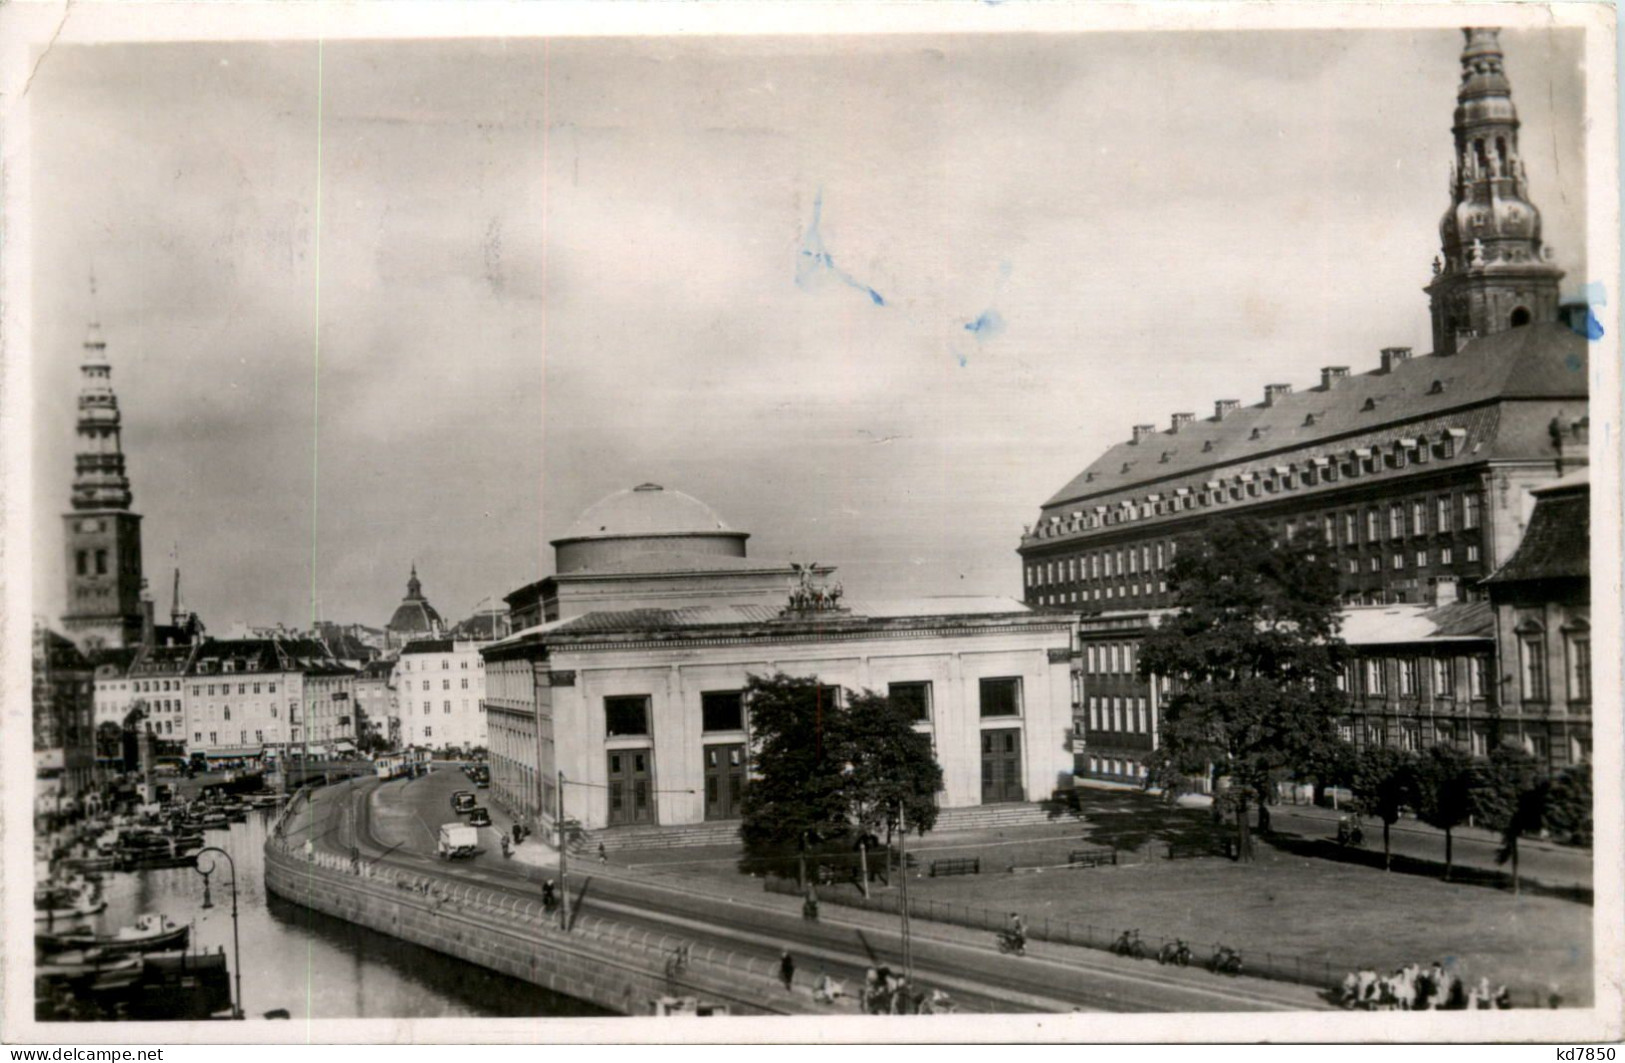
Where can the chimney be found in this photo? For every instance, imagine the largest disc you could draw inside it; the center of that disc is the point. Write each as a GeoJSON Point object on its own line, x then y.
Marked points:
{"type": "Point", "coordinates": [1331, 374]}
{"type": "Point", "coordinates": [1142, 430]}
{"type": "Point", "coordinates": [1180, 420]}
{"type": "Point", "coordinates": [1275, 391]}
{"type": "Point", "coordinates": [1224, 408]}
{"type": "Point", "coordinates": [1443, 591]}
{"type": "Point", "coordinates": [1392, 356]}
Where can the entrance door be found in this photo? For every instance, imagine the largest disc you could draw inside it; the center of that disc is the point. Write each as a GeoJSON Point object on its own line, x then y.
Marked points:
{"type": "Point", "coordinates": [629, 789]}
{"type": "Point", "coordinates": [724, 781]}
{"type": "Point", "coordinates": [1001, 766]}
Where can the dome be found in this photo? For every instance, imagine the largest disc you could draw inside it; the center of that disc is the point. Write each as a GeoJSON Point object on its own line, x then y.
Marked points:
{"type": "Point", "coordinates": [649, 523]}
{"type": "Point", "coordinates": [414, 615]}
{"type": "Point", "coordinates": [647, 509]}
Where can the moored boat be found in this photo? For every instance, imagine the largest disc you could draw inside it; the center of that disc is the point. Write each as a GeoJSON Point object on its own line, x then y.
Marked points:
{"type": "Point", "coordinates": [150, 933]}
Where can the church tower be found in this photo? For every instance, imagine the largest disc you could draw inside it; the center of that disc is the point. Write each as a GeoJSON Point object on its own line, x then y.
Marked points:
{"type": "Point", "coordinates": [1494, 273]}
{"type": "Point", "coordinates": [103, 537]}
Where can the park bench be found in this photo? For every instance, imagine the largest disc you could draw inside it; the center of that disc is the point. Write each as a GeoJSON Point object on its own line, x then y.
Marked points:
{"type": "Point", "coordinates": [1092, 857]}
{"type": "Point", "coordinates": [956, 865]}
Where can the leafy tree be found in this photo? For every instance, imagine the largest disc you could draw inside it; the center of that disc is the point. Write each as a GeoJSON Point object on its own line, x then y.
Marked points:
{"type": "Point", "coordinates": [1445, 781]}
{"type": "Point", "coordinates": [891, 776]}
{"type": "Point", "coordinates": [1254, 655]}
{"type": "Point", "coordinates": [797, 798]}
{"type": "Point", "coordinates": [1568, 813]}
{"type": "Point", "coordinates": [1384, 784]}
{"type": "Point", "coordinates": [109, 740]}
{"type": "Point", "coordinates": [1512, 798]}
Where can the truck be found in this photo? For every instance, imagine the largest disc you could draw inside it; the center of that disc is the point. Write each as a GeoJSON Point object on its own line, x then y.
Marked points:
{"type": "Point", "coordinates": [457, 840]}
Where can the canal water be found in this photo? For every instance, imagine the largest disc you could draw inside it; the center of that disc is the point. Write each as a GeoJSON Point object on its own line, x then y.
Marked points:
{"type": "Point", "coordinates": [313, 965]}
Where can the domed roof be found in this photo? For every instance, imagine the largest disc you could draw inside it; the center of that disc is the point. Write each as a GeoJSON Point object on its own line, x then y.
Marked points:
{"type": "Point", "coordinates": [414, 614]}
{"type": "Point", "coordinates": [646, 510]}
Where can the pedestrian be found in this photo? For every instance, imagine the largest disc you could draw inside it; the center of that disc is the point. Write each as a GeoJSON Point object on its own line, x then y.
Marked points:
{"type": "Point", "coordinates": [787, 970]}
{"type": "Point", "coordinates": [603, 857]}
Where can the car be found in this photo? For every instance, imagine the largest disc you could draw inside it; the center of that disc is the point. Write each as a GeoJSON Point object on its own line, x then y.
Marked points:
{"type": "Point", "coordinates": [463, 801]}
{"type": "Point", "coordinates": [479, 817]}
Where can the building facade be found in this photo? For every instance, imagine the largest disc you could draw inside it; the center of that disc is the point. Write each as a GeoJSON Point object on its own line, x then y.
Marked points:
{"type": "Point", "coordinates": [1542, 602]}
{"type": "Point", "coordinates": [64, 721]}
{"type": "Point", "coordinates": [1417, 474]}
{"type": "Point", "coordinates": [644, 711]}
{"type": "Point", "coordinates": [441, 689]}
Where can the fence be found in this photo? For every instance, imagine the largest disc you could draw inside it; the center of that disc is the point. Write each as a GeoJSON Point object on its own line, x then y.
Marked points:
{"type": "Point", "coordinates": [1272, 965]}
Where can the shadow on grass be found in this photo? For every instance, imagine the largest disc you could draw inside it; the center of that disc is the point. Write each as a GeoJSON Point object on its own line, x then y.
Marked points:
{"type": "Point", "coordinates": [1136, 822]}
{"type": "Point", "coordinates": [1371, 856]}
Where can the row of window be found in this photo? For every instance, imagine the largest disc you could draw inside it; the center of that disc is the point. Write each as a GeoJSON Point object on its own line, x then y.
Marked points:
{"type": "Point", "coordinates": [445, 665]}
{"type": "Point", "coordinates": [1112, 658]}
{"type": "Point", "coordinates": [445, 684]}
{"type": "Point", "coordinates": [242, 737]}
{"type": "Point", "coordinates": [1131, 715]}
{"type": "Point", "coordinates": [85, 563]}
{"type": "Point", "coordinates": [1370, 677]}
{"type": "Point", "coordinates": [1115, 766]}
{"type": "Point", "coordinates": [627, 716]}
{"type": "Point", "coordinates": [225, 688]}
{"type": "Point", "coordinates": [1533, 683]}
{"type": "Point", "coordinates": [145, 685]}
{"type": "Point", "coordinates": [1246, 486]}
{"type": "Point", "coordinates": [1339, 530]}
{"type": "Point", "coordinates": [428, 707]}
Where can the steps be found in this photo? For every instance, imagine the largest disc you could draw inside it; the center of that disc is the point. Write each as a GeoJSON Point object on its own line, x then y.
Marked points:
{"type": "Point", "coordinates": [949, 820]}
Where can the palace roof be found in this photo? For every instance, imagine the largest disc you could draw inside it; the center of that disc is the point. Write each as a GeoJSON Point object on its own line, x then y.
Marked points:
{"type": "Point", "coordinates": [1558, 542]}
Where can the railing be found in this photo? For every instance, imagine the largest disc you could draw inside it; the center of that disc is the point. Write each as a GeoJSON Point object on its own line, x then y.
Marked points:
{"type": "Point", "coordinates": [1273, 965]}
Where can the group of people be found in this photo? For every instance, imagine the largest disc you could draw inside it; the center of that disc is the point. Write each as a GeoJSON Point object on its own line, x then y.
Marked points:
{"type": "Point", "coordinates": [1412, 988]}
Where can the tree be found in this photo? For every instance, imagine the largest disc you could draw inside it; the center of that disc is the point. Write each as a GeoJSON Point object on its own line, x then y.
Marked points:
{"type": "Point", "coordinates": [892, 776]}
{"type": "Point", "coordinates": [109, 740]}
{"type": "Point", "coordinates": [797, 797]}
{"type": "Point", "coordinates": [1445, 780]}
{"type": "Point", "coordinates": [1512, 798]}
{"type": "Point", "coordinates": [1253, 655]}
{"type": "Point", "coordinates": [1384, 783]}
{"type": "Point", "coordinates": [1568, 813]}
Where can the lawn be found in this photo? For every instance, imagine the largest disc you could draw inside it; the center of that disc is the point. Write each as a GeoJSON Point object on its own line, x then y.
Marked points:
{"type": "Point", "coordinates": [1289, 906]}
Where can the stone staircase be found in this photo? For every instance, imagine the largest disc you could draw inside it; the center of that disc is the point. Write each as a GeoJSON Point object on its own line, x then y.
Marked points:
{"type": "Point", "coordinates": [991, 817]}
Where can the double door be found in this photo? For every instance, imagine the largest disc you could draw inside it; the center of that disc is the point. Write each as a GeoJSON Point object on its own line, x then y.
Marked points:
{"type": "Point", "coordinates": [724, 781]}
{"type": "Point", "coordinates": [631, 798]}
{"type": "Point", "coordinates": [1001, 766]}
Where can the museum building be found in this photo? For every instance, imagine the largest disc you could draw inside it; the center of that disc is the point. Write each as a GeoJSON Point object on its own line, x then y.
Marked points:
{"type": "Point", "coordinates": [640, 701]}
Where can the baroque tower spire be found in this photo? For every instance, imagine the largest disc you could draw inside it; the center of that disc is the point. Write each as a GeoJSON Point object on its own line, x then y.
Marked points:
{"type": "Point", "coordinates": [1494, 272]}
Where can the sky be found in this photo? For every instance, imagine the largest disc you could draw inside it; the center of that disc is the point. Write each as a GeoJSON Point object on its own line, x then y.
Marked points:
{"type": "Point", "coordinates": [873, 299]}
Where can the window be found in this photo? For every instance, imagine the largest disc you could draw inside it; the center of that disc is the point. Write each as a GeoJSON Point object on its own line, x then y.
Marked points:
{"type": "Point", "coordinates": [446, 711]}
{"type": "Point", "coordinates": [1579, 665]}
{"type": "Point", "coordinates": [101, 562]}
{"type": "Point", "coordinates": [1442, 513]}
{"type": "Point", "coordinates": [425, 684]}
{"type": "Point", "coordinates": [1373, 526]}
{"type": "Point", "coordinates": [1472, 551]}
{"type": "Point", "coordinates": [1408, 677]}
{"type": "Point", "coordinates": [82, 563]}
{"type": "Point", "coordinates": [626, 716]}
{"type": "Point", "coordinates": [1421, 559]}
{"type": "Point", "coordinates": [1353, 565]}
{"type": "Point", "coordinates": [465, 684]}
{"type": "Point", "coordinates": [1471, 504]}
{"type": "Point", "coordinates": [427, 706]}
{"type": "Point", "coordinates": [1375, 681]}
{"type": "Point", "coordinates": [1350, 527]}
{"type": "Point", "coordinates": [1399, 562]}
{"type": "Point", "coordinates": [445, 684]}
{"type": "Point", "coordinates": [428, 732]}
{"type": "Point", "coordinates": [1445, 555]}
{"type": "Point", "coordinates": [1375, 564]}
{"type": "Point", "coordinates": [1478, 678]}
{"type": "Point", "coordinates": [445, 665]}
{"type": "Point", "coordinates": [1001, 697]}
{"type": "Point", "coordinates": [1532, 649]}
{"type": "Point", "coordinates": [1444, 678]}
{"type": "Point", "coordinates": [1419, 518]}
{"type": "Point", "coordinates": [913, 697]}
{"type": "Point", "coordinates": [1396, 522]}
{"type": "Point", "coordinates": [722, 710]}
{"type": "Point", "coordinates": [228, 713]}
{"type": "Point", "coordinates": [270, 688]}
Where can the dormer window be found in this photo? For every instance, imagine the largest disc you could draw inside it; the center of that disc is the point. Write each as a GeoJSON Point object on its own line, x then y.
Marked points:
{"type": "Point", "coordinates": [1370, 404]}
{"type": "Point", "coordinates": [1437, 388]}
{"type": "Point", "coordinates": [1207, 446]}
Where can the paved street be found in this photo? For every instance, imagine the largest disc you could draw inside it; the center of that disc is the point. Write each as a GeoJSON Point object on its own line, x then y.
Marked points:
{"type": "Point", "coordinates": [398, 826]}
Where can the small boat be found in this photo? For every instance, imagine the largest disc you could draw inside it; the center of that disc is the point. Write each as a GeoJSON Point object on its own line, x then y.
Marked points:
{"type": "Point", "coordinates": [68, 910]}
{"type": "Point", "coordinates": [86, 963]}
{"type": "Point", "coordinates": [151, 932]}
{"type": "Point", "coordinates": [98, 862]}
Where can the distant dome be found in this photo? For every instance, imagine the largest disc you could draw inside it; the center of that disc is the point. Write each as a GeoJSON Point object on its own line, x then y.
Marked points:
{"type": "Point", "coordinates": [646, 520]}
{"type": "Point", "coordinates": [414, 616]}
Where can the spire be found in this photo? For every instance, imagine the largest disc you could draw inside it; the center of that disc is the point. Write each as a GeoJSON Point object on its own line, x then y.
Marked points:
{"type": "Point", "coordinates": [1494, 272]}
{"type": "Point", "coordinates": [99, 478]}
{"type": "Point", "coordinates": [414, 589]}
{"type": "Point", "coordinates": [177, 611]}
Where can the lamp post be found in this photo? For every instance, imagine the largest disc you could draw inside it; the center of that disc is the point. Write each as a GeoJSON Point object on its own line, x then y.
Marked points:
{"type": "Point", "coordinates": [208, 902]}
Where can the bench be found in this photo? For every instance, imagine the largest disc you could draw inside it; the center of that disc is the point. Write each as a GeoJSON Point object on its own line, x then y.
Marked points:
{"type": "Point", "coordinates": [1091, 857]}
{"type": "Point", "coordinates": [956, 865]}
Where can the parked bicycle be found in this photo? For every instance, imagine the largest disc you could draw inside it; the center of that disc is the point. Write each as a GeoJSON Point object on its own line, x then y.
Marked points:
{"type": "Point", "coordinates": [1349, 832]}
{"type": "Point", "coordinates": [1128, 943]}
{"type": "Point", "coordinates": [1226, 960]}
{"type": "Point", "coordinates": [1176, 952]}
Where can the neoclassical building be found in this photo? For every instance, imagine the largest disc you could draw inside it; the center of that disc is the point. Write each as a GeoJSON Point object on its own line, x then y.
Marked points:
{"type": "Point", "coordinates": [440, 689]}
{"type": "Point", "coordinates": [642, 707]}
{"type": "Point", "coordinates": [1417, 472]}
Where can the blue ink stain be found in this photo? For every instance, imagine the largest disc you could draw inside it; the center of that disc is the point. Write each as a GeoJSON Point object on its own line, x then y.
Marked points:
{"type": "Point", "coordinates": [1588, 326]}
{"type": "Point", "coordinates": [814, 259]}
{"type": "Point", "coordinates": [988, 325]}
{"type": "Point", "coordinates": [1595, 293]}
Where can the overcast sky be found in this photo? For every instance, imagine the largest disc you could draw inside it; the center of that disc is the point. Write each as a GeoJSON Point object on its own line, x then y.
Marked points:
{"type": "Point", "coordinates": [873, 300]}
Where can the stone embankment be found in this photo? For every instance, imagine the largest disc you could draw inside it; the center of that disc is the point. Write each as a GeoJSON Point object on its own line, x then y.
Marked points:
{"type": "Point", "coordinates": [619, 967]}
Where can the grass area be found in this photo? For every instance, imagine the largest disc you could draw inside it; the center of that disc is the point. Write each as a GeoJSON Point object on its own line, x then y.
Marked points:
{"type": "Point", "coordinates": [1291, 903]}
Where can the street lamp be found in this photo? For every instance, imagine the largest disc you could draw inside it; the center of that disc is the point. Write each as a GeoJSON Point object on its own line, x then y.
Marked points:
{"type": "Point", "coordinates": [208, 902]}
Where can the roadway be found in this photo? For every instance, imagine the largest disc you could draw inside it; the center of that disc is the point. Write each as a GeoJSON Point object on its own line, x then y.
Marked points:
{"type": "Point", "coordinates": [396, 825]}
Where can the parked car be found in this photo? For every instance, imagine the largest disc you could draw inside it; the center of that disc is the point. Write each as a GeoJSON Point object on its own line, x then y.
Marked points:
{"type": "Point", "coordinates": [463, 801]}
{"type": "Point", "coordinates": [478, 817]}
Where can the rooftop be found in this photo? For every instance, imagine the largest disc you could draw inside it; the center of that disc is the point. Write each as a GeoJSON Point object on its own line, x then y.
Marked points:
{"type": "Point", "coordinates": [646, 510]}
{"type": "Point", "coordinates": [1557, 544]}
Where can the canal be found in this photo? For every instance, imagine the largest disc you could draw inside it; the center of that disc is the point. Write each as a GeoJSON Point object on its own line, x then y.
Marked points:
{"type": "Point", "coordinates": [315, 966]}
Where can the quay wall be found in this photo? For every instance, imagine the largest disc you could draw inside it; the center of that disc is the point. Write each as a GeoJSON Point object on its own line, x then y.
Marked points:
{"type": "Point", "coordinates": [615, 966]}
